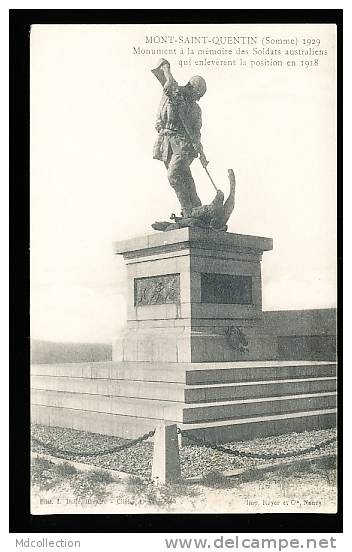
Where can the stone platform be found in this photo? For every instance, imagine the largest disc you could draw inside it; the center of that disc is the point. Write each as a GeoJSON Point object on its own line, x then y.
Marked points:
{"type": "Point", "coordinates": [219, 401]}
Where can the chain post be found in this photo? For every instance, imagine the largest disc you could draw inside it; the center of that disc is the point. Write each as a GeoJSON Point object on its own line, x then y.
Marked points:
{"type": "Point", "coordinates": [166, 459]}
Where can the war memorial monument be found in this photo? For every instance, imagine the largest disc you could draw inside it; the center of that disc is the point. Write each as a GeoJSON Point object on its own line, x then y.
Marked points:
{"type": "Point", "coordinates": [195, 351]}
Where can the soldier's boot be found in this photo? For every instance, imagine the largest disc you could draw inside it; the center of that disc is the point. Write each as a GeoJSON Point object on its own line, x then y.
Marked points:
{"type": "Point", "coordinates": [184, 199]}
{"type": "Point", "coordinates": [179, 175]}
{"type": "Point", "coordinates": [193, 196]}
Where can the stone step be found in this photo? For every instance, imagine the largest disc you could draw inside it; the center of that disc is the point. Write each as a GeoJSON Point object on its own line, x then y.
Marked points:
{"type": "Point", "coordinates": [190, 373]}
{"type": "Point", "coordinates": [258, 407]}
{"type": "Point", "coordinates": [256, 389]}
{"type": "Point", "coordinates": [260, 426]}
{"type": "Point", "coordinates": [131, 427]}
{"type": "Point", "coordinates": [179, 392]}
{"type": "Point", "coordinates": [172, 372]}
{"type": "Point", "coordinates": [108, 387]}
{"type": "Point", "coordinates": [125, 406]}
{"type": "Point", "coordinates": [127, 427]}
{"type": "Point", "coordinates": [234, 372]}
{"type": "Point", "coordinates": [177, 411]}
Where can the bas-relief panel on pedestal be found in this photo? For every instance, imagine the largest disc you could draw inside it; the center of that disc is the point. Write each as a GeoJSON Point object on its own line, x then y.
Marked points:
{"type": "Point", "coordinates": [157, 290]}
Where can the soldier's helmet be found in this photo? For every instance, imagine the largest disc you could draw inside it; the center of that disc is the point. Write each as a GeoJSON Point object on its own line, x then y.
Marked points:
{"type": "Point", "coordinates": [199, 85]}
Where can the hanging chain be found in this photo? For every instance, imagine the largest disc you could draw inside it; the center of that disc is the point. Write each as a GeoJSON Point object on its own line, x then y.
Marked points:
{"type": "Point", "coordinates": [255, 455]}
{"type": "Point", "coordinates": [118, 448]}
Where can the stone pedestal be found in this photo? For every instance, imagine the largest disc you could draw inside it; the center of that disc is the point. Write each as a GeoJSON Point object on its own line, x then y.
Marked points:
{"type": "Point", "coordinates": [194, 295]}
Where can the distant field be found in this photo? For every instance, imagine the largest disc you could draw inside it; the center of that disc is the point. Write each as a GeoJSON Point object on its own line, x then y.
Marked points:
{"type": "Point", "coordinates": [50, 352]}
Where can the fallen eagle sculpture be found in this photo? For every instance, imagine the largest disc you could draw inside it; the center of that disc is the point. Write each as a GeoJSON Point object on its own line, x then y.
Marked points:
{"type": "Point", "coordinates": [213, 216]}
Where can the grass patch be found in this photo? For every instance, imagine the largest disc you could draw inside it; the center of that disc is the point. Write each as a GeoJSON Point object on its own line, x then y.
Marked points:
{"type": "Point", "coordinates": [92, 485]}
{"type": "Point", "coordinates": [85, 485]}
{"type": "Point", "coordinates": [64, 470]}
{"type": "Point", "coordinates": [100, 477]}
{"type": "Point", "coordinates": [216, 480]}
{"type": "Point", "coordinates": [42, 474]}
{"type": "Point", "coordinates": [46, 474]}
{"type": "Point", "coordinates": [83, 488]}
{"type": "Point", "coordinates": [146, 491]}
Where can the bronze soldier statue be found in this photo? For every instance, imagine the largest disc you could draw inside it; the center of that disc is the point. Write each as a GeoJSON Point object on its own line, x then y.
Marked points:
{"type": "Point", "coordinates": [179, 121]}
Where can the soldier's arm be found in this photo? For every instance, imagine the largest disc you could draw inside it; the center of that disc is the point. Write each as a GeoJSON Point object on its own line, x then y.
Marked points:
{"type": "Point", "coordinates": [197, 144]}
{"type": "Point", "coordinates": [197, 125]}
{"type": "Point", "coordinates": [171, 85]}
{"type": "Point", "coordinates": [164, 75]}
{"type": "Point", "coordinates": [159, 124]}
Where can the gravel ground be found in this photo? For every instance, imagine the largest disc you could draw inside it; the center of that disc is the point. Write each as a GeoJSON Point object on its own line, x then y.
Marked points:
{"type": "Point", "coordinates": [195, 461]}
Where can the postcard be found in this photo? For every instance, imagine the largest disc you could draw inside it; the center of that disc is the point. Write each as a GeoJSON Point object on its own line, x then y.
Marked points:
{"type": "Point", "coordinates": [183, 268]}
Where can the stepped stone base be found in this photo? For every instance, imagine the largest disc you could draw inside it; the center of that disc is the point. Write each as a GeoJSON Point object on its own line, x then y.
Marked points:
{"type": "Point", "coordinates": [217, 401]}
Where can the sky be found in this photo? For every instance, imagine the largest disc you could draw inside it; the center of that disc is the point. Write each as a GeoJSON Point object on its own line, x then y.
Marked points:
{"type": "Point", "coordinates": [93, 179]}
